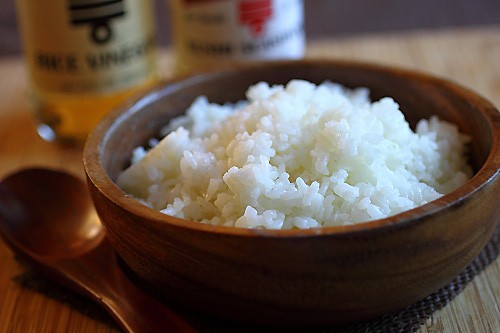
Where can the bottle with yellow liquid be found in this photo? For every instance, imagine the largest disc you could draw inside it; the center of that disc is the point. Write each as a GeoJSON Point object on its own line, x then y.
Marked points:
{"type": "Point", "coordinates": [83, 58]}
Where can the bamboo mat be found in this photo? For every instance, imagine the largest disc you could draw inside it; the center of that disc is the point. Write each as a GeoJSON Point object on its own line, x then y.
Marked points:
{"type": "Point", "coordinates": [471, 57]}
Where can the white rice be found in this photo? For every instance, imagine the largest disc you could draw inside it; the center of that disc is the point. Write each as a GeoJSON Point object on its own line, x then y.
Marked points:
{"type": "Point", "coordinates": [296, 156]}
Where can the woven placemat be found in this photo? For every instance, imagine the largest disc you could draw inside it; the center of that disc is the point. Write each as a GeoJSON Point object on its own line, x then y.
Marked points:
{"type": "Point", "coordinates": [409, 319]}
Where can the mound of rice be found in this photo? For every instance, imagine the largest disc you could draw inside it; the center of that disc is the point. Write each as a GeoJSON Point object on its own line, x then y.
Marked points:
{"type": "Point", "coordinates": [296, 156]}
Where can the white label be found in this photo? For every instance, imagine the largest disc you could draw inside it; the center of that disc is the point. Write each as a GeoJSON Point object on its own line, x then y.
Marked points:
{"type": "Point", "coordinates": [211, 30]}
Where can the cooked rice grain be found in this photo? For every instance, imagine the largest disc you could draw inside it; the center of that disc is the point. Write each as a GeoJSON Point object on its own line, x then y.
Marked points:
{"type": "Point", "coordinates": [297, 156]}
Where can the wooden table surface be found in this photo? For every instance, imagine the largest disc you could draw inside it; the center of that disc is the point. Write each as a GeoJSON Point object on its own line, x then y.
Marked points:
{"type": "Point", "coordinates": [28, 303]}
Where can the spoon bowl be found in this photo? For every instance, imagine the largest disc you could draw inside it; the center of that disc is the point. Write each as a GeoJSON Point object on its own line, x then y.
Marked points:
{"type": "Point", "coordinates": [66, 222]}
{"type": "Point", "coordinates": [48, 218]}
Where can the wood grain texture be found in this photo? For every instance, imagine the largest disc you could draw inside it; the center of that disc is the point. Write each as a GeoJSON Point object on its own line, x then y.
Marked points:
{"type": "Point", "coordinates": [470, 57]}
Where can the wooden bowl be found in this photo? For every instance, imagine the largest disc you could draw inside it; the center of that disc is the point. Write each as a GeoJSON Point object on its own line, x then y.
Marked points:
{"type": "Point", "coordinates": [332, 275]}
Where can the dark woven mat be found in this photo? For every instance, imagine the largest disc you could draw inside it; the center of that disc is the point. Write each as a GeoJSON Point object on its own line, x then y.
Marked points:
{"type": "Point", "coordinates": [406, 320]}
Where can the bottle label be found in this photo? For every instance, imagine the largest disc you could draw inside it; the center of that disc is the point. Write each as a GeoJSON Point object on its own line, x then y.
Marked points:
{"type": "Point", "coordinates": [206, 31]}
{"type": "Point", "coordinates": [87, 46]}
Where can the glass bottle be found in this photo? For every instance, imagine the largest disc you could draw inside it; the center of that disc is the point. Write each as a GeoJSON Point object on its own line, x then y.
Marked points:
{"type": "Point", "coordinates": [211, 33]}
{"type": "Point", "coordinates": [84, 57]}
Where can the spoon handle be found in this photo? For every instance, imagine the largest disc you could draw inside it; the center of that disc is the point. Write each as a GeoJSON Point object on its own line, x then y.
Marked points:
{"type": "Point", "coordinates": [98, 275]}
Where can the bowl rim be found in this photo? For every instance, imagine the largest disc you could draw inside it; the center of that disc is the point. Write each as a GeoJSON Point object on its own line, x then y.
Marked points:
{"type": "Point", "coordinates": [484, 177]}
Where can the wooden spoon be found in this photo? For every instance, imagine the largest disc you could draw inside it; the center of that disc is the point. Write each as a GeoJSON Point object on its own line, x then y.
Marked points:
{"type": "Point", "coordinates": [48, 218]}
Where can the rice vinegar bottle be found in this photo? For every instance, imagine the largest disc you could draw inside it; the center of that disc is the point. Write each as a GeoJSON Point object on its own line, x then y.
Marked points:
{"type": "Point", "coordinates": [84, 57]}
{"type": "Point", "coordinates": [211, 33]}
